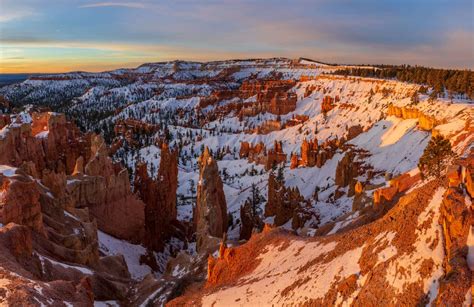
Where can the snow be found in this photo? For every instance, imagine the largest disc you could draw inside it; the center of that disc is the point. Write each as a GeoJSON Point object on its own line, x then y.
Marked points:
{"type": "Point", "coordinates": [7, 171]}
{"type": "Point", "coordinates": [66, 266]}
{"type": "Point", "coordinates": [395, 145]}
{"type": "Point", "coordinates": [131, 252]}
{"type": "Point", "coordinates": [451, 128]}
{"type": "Point", "coordinates": [43, 134]}
{"type": "Point", "coordinates": [390, 251]}
{"type": "Point", "coordinates": [279, 269]}
{"type": "Point", "coordinates": [397, 131]}
{"type": "Point", "coordinates": [410, 264]}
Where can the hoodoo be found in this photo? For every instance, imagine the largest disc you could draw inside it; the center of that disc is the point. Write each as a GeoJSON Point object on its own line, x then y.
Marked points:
{"type": "Point", "coordinates": [210, 214]}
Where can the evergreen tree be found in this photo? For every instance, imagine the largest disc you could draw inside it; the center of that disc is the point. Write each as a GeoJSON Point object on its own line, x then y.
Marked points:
{"type": "Point", "coordinates": [436, 157]}
{"type": "Point", "coordinates": [280, 178]}
{"type": "Point", "coordinates": [255, 199]}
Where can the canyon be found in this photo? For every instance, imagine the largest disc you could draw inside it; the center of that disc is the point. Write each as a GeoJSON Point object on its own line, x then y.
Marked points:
{"type": "Point", "coordinates": [233, 183]}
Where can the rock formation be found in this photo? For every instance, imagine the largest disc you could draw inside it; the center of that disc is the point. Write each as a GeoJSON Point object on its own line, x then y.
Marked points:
{"type": "Point", "coordinates": [397, 185]}
{"type": "Point", "coordinates": [104, 188]}
{"type": "Point", "coordinates": [425, 122]}
{"type": "Point", "coordinates": [328, 104]}
{"type": "Point", "coordinates": [210, 214]}
{"type": "Point", "coordinates": [313, 154]}
{"type": "Point", "coordinates": [160, 198]}
{"type": "Point", "coordinates": [275, 156]}
{"type": "Point", "coordinates": [347, 169]}
{"type": "Point", "coordinates": [20, 200]}
{"type": "Point", "coordinates": [272, 96]}
{"type": "Point", "coordinates": [285, 203]}
{"type": "Point", "coordinates": [131, 129]}
{"type": "Point", "coordinates": [260, 155]}
{"type": "Point", "coordinates": [49, 142]}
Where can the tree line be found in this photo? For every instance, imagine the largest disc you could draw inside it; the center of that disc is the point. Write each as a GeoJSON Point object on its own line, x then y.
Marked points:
{"type": "Point", "coordinates": [452, 81]}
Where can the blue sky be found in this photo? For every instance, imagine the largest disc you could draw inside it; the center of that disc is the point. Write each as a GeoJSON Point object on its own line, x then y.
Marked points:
{"type": "Point", "coordinates": [64, 35]}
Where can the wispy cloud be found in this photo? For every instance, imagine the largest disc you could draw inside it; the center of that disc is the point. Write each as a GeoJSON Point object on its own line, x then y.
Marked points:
{"type": "Point", "coordinates": [10, 10]}
{"type": "Point", "coordinates": [134, 5]}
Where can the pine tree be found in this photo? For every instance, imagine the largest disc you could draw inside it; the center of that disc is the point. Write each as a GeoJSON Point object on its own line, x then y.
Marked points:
{"type": "Point", "coordinates": [280, 178]}
{"type": "Point", "coordinates": [436, 157]}
{"type": "Point", "coordinates": [255, 199]}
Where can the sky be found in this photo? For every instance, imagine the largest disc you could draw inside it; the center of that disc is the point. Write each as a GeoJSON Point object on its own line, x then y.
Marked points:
{"type": "Point", "coordinates": [94, 35]}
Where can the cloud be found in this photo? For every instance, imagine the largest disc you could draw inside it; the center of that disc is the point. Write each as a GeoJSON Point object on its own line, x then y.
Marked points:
{"type": "Point", "coordinates": [134, 5]}
{"type": "Point", "coordinates": [10, 11]}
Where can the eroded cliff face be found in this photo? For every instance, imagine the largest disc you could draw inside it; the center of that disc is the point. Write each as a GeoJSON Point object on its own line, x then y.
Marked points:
{"type": "Point", "coordinates": [104, 188]}
{"type": "Point", "coordinates": [210, 214]}
{"type": "Point", "coordinates": [44, 245]}
{"type": "Point", "coordinates": [457, 220]}
{"type": "Point", "coordinates": [77, 170]}
{"type": "Point", "coordinates": [20, 201]}
{"type": "Point", "coordinates": [425, 122]}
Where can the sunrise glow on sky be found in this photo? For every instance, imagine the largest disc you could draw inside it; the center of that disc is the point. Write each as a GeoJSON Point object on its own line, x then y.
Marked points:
{"type": "Point", "coordinates": [66, 35]}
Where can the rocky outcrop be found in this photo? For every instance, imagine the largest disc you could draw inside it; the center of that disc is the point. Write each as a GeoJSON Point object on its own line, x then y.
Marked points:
{"type": "Point", "coordinates": [159, 197]}
{"type": "Point", "coordinates": [284, 203]}
{"type": "Point", "coordinates": [275, 156]}
{"type": "Point", "coordinates": [131, 129]}
{"type": "Point", "coordinates": [347, 170]}
{"type": "Point", "coordinates": [49, 142]}
{"type": "Point", "coordinates": [425, 122]}
{"type": "Point", "coordinates": [397, 185]}
{"type": "Point", "coordinates": [65, 245]}
{"type": "Point", "coordinates": [328, 103]}
{"type": "Point", "coordinates": [309, 152]}
{"type": "Point", "coordinates": [20, 201]}
{"type": "Point", "coordinates": [77, 169]}
{"type": "Point", "coordinates": [4, 120]}
{"type": "Point", "coordinates": [313, 154]}
{"type": "Point", "coordinates": [268, 126]}
{"type": "Point", "coordinates": [231, 263]}
{"type": "Point", "coordinates": [456, 220]}
{"type": "Point", "coordinates": [17, 239]}
{"type": "Point", "coordinates": [210, 214]}
{"type": "Point", "coordinates": [271, 96]}
{"type": "Point", "coordinates": [252, 152]}
{"type": "Point", "coordinates": [258, 153]}
{"type": "Point", "coordinates": [104, 188]}
{"type": "Point", "coordinates": [353, 132]}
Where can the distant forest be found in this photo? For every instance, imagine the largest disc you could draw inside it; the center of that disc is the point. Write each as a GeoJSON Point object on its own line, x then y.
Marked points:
{"type": "Point", "coordinates": [451, 81]}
